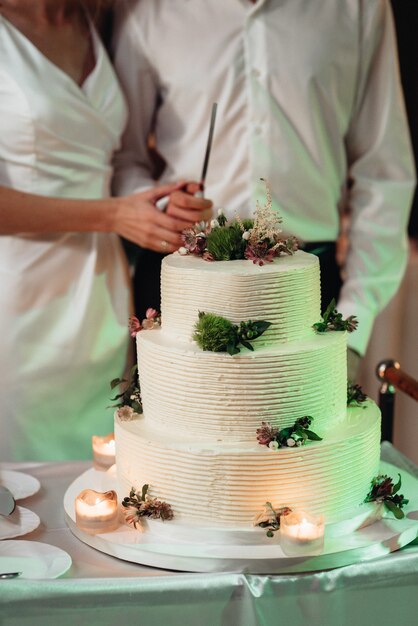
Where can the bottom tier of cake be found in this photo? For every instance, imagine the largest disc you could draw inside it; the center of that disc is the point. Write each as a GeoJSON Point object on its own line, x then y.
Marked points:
{"type": "Point", "coordinates": [228, 483]}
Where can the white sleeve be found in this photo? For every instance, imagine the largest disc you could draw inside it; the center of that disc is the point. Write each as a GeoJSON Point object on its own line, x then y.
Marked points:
{"type": "Point", "coordinates": [132, 164]}
{"type": "Point", "coordinates": [382, 172]}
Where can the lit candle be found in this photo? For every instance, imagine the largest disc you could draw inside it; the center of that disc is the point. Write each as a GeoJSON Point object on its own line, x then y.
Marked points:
{"type": "Point", "coordinates": [301, 534]}
{"type": "Point", "coordinates": [103, 451]}
{"type": "Point", "coordinates": [96, 512]}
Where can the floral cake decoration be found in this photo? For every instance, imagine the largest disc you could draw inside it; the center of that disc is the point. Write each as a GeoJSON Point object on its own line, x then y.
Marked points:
{"type": "Point", "coordinates": [296, 435]}
{"type": "Point", "coordinates": [384, 490]}
{"type": "Point", "coordinates": [269, 518]}
{"type": "Point", "coordinates": [217, 334]}
{"type": "Point", "coordinates": [128, 401]}
{"type": "Point", "coordinates": [140, 504]}
{"type": "Point", "coordinates": [355, 395]}
{"type": "Point", "coordinates": [258, 239]}
{"type": "Point", "coordinates": [152, 320]}
{"type": "Point", "coordinates": [333, 320]}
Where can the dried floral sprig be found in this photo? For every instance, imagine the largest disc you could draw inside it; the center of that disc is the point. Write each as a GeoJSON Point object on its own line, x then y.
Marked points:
{"type": "Point", "coordinates": [152, 320]}
{"type": "Point", "coordinates": [217, 334]}
{"type": "Point", "coordinates": [140, 504]}
{"type": "Point", "coordinates": [296, 435]}
{"type": "Point", "coordinates": [333, 320]}
{"type": "Point", "coordinates": [355, 395]}
{"type": "Point", "coordinates": [383, 490]}
{"type": "Point", "coordinates": [129, 397]}
{"type": "Point", "coordinates": [270, 518]}
{"type": "Point", "coordinates": [263, 240]}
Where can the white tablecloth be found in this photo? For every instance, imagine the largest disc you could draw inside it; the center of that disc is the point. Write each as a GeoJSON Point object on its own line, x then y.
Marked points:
{"type": "Point", "coordinates": [99, 589]}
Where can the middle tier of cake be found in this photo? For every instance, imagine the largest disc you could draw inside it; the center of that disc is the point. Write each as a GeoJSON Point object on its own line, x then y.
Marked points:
{"type": "Point", "coordinates": [215, 396]}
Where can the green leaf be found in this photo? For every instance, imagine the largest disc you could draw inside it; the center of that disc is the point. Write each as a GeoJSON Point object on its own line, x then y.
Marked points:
{"type": "Point", "coordinates": [320, 327]}
{"type": "Point", "coordinates": [247, 344]}
{"type": "Point", "coordinates": [133, 371]}
{"type": "Point", "coordinates": [285, 433]}
{"type": "Point", "coordinates": [232, 349]}
{"type": "Point", "coordinates": [313, 436]}
{"type": "Point", "coordinates": [397, 512]}
{"type": "Point", "coordinates": [330, 308]}
{"type": "Point", "coordinates": [117, 381]}
{"type": "Point", "coordinates": [261, 326]}
{"type": "Point", "coordinates": [144, 492]}
{"type": "Point", "coordinates": [397, 486]}
{"type": "Point", "coordinates": [120, 395]}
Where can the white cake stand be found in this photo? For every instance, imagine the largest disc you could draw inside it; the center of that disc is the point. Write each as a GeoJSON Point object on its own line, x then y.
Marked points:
{"type": "Point", "coordinates": [186, 554]}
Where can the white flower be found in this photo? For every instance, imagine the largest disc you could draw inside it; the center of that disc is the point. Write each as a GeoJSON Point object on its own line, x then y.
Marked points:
{"type": "Point", "coordinates": [246, 235]}
{"type": "Point", "coordinates": [273, 445]}
{"type": "Point", "coordinates": [220, 212]}
{"type": "Point", "coordinates": [126, 413]}
{"type": "Point", "coordinates": [183, 251]}
{"type": "Point", "coordinates": [214, 224]}
{"type": "Point", "coordinates": [290, 442]}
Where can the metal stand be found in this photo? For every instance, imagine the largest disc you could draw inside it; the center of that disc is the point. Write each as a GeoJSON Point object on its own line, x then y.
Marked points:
{"type": "Point", "coordinates": [392, 377]}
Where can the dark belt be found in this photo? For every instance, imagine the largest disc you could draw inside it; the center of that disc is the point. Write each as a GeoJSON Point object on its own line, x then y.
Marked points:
{"type": "Point", "coordinates": [318, 248]}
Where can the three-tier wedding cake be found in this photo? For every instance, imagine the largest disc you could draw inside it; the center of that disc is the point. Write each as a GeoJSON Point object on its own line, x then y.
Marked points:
{"type": "Point", "coordinates": [196, 442]}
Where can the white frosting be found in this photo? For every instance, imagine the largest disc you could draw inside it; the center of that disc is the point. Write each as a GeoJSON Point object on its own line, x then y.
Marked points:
{"type": "Point", "coordinates": [285, 293]}
{"type": "Point", "coordinates": [217, 396]}
{"type": "Point", "coordinates": [227, 483]}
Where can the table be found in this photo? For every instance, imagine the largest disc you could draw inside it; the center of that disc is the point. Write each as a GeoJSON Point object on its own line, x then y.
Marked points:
{"type": "Point", "coordinates": [99, 589]}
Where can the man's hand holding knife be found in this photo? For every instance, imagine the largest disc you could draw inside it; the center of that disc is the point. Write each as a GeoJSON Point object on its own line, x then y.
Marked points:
{"type": "Point", "coordinates": [187, 202]}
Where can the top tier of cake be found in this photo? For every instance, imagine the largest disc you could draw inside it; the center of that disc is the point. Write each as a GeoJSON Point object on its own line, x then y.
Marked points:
{"type": "Point", "coordinates": [285, 292]}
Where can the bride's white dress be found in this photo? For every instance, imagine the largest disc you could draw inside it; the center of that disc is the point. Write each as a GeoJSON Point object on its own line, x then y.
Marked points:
{"type": "Point", "coordinates": [64, 297]}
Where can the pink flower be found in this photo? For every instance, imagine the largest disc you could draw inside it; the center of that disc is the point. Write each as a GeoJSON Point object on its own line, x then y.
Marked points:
{"type": "Point", "coordinates": [134, 326]}
{"type": "Point", "coordinates": [266, 433]}
{"type": "Point", "coordinates": [151, 314]}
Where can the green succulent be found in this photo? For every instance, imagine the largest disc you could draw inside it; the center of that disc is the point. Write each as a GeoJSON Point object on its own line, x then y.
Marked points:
{"type": "Point", "coordinates": [214, 333]}
{"type": "Point", "coordinates": [226, 244]}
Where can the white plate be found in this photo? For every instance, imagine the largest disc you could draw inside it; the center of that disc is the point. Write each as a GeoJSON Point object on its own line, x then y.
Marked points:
{"type": "Point", "coordinates": [33, 559]}
{"type": "Point", "coordinates": [20, 522]}
{"type": "Point", "coordinates": [21, 485]}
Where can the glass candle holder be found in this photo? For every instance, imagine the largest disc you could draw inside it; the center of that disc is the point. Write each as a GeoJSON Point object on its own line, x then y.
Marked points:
{"type": "Point", "coordinates": [103, 451]}
{"type": "Point", "coordinates": [96, 512]}
{"type": "Point", "coordinates": [302, 534]}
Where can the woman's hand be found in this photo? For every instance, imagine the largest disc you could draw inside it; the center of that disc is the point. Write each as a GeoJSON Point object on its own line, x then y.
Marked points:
{"type": "Point", "coordinates": [140, 221]}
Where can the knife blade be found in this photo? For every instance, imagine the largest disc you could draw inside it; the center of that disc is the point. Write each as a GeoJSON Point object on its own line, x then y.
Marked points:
{"type": "Point", "coordinates": [208, 145]}
{"type": "Point", "coordinates": [6, 575]}
{"type": "Point", "coordinates": [162, 203]}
